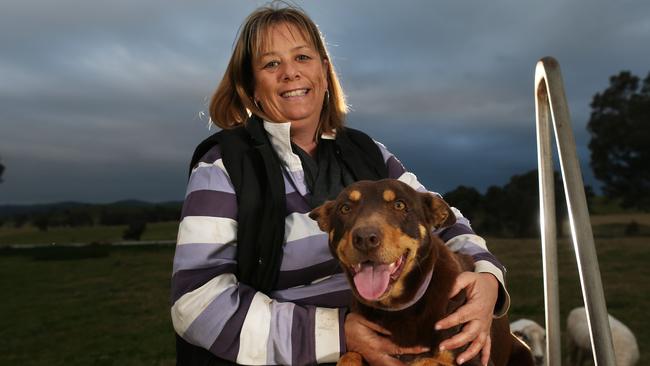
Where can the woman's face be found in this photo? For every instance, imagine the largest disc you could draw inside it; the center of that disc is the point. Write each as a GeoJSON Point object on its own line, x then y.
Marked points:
{"type": "Point", "coordinates": [290, 77]}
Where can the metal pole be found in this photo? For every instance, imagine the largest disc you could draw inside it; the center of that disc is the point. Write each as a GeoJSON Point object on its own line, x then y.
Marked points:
{"type": "Point", "coordinates": [553, 99]}
{"type": "Point", "coordinates": [548, 227]}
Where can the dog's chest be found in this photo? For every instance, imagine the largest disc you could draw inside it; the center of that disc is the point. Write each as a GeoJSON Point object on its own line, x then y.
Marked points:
{"type": "Point", "coordinates": [409, 327]}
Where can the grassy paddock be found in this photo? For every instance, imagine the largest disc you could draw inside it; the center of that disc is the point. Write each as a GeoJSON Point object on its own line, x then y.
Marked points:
{"type": "Point", "coordinates": [624, 271]}
{"type": "Point", "coordinates": [84, 234]}
{"type": "Point", "coordinates": [86, 306]}
{"type": "Point", "coordinates": [104, 305]}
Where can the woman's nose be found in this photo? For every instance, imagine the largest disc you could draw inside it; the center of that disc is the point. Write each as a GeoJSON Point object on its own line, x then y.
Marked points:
{"type": "Point", "coordinates": [290, 72]}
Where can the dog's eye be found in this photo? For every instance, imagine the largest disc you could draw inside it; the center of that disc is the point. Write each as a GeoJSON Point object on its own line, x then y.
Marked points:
{"type": "Point", "coordinates": [399, 205]}
{"type": "Point", "coordinates": [345, 208]}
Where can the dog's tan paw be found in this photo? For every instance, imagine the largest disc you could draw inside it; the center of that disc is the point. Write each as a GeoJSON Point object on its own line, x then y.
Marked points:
{"type": "Point", "coordinates": [445, 358]}
{"type": "Point", "coordinates": [350, 359]}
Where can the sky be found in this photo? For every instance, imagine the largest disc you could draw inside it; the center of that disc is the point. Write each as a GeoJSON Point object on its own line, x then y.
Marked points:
{"type": "Point", "coordinates": [104, 101]}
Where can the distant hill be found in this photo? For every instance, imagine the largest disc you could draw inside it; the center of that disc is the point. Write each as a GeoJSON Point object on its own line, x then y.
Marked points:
{"type": "Point", "coordinates": [10, 210]}
{"type": "Point", "coordinates": [30, 210]}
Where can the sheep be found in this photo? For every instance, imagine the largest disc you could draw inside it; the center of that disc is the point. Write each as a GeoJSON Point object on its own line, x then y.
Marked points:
{"type": "Point", "coordinates": [626, 349]}
{"type": "Point", "coordinates": [534, 335]}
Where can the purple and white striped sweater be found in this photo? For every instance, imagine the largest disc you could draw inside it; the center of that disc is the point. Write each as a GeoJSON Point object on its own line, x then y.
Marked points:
{"type": "Point", "coordinates": [301, 321]}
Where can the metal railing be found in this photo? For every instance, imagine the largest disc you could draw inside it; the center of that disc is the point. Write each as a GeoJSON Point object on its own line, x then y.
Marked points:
{"type": "Point", "coordinates": [552, 109]}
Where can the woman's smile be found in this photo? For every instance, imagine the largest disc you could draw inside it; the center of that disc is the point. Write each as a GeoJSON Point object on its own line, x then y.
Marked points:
{"type": "Point", "coordinates": [294, 93]}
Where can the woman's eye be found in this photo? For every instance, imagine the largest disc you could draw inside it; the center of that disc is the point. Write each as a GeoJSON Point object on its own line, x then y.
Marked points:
{"type": "Point", "coordinates": [303, 58]}
{"type": "Point", "coordinates": [344, 209]}
{"type": "Point", "coordinates": [271, 64]}
{"type": "Point", "coordinates": [399, 205]}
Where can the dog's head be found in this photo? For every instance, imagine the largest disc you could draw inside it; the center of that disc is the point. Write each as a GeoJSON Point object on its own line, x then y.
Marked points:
{"type": "Point", "coordinates": [381, 233]}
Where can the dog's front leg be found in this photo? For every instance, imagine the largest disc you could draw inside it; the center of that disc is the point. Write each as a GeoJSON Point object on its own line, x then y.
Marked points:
{"type": "Point", "coordinates": [444, 358]}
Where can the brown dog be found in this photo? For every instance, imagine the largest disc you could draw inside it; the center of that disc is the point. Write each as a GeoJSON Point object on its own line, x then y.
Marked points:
{"type": "Point", "coordinates": [400, 273]}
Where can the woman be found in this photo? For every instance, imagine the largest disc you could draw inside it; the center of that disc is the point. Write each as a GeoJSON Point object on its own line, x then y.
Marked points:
{"type": "Point", "coordinates": [253, 280]}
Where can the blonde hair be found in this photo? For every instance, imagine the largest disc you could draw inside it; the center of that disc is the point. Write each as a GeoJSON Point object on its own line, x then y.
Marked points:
{"type": "Point", "coordinates": [233, 100]}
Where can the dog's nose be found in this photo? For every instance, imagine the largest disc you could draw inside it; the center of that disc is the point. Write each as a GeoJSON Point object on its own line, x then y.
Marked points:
{"type": "Point", "coordinates": [366, 238]}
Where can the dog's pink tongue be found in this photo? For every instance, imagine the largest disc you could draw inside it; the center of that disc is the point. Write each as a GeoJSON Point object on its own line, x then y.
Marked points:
{"type": "Point", "coordinates": [372, 281]}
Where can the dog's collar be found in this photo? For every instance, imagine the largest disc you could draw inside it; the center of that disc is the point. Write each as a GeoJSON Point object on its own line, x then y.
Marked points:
{"type": "Point", "coordinates": [418, 295]}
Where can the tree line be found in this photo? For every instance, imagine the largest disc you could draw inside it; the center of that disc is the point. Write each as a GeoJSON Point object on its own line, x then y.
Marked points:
{"type": "Point", "coordinates": [511, 210]}
{"type": "Point", "coordinates": [134, 214]}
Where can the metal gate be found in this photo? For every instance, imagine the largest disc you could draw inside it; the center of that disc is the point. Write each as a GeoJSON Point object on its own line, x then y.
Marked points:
{"type": "Point", "coordinates": [552, 109]}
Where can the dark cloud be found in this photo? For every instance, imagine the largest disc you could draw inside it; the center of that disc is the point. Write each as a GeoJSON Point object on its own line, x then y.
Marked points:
{"type": "Point", "coordinates": [104, 101]}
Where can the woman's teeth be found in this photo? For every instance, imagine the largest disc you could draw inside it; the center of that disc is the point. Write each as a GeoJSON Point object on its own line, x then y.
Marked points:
{"type": "Point", "coordinates": [294, 93]}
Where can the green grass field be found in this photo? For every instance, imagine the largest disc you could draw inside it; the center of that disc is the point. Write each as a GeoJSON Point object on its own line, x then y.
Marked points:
{"type": "Point", "coordinates": [103, 305]}
{"type": "Point", "coordinates": [84, 234]}
{"type": "Point", "coordinates": [86, 306]}
{"type": "Point", "coordinates": [624, 271]}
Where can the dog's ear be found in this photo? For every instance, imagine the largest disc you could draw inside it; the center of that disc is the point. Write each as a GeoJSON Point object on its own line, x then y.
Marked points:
{"type": "Point", "coordinates": [322, 215]}
{"type": "Point", "coordinates": [437, 210]}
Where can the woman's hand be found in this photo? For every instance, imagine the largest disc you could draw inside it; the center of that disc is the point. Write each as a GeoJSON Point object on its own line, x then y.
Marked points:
{"type": "Point", "coordinates": [482, 290]}
{"type": "Point", "coordinates": [372, 342]}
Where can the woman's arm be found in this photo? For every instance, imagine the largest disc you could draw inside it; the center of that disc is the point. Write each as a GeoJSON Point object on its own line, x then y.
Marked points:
{"type": "Point", "coordinates": [213, 310]}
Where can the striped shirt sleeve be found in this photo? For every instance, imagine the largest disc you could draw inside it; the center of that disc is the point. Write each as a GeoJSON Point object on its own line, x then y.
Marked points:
{"type": "Point", "coordinates": [459, 237]}
{"type": "Point", "coordinates": [212, 309]}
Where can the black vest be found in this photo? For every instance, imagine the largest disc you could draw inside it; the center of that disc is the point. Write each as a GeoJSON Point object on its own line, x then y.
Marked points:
{"type": "Point", "coordinates": [256, 174]}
